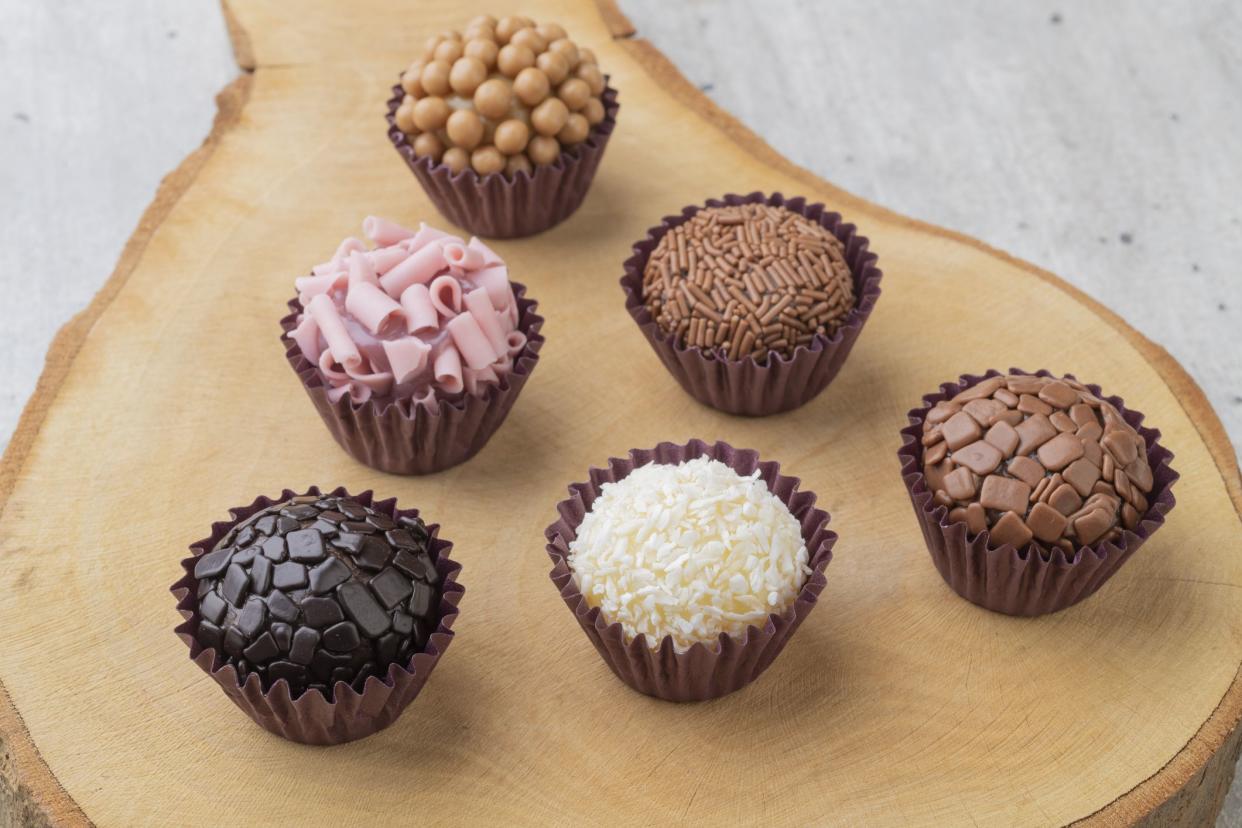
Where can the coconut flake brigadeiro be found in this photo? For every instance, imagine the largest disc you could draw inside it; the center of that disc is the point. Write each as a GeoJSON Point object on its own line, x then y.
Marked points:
{"type": "Point", "coordinates": [688, 551]}
{"type": "Point", "coordinates": [748, 280]}
{"type": "Point", "coordinates": [504, 96]}
{"type": "Point", "coordinates": [1036, 459]}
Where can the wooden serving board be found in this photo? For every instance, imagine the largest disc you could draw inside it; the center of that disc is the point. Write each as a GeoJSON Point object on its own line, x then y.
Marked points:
{"type": "Point", "coordinates": [169, 400]}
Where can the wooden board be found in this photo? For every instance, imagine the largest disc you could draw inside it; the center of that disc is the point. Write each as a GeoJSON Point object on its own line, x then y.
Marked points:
{"type": "Point", "coordinates": [169, 400]}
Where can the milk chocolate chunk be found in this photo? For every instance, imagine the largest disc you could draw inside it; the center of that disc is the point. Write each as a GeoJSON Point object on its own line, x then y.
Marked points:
{"type": "Point", "coordinates": [1036, 459]}
{"type": "Point", "coordinates": [297, 603]}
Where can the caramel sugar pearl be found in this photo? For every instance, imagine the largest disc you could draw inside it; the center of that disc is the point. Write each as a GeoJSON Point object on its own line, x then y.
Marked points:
{"type": "Point", "coordinates": [482, 50]}
{"type": "Point", "coordinates": [530, 39]}
{"type": "Point", "coordinates": [430, 45]}
{"type": "Point", "coordinates": [492, 98]}
{"type": "Point", "coordinates": [480, 33]}
{"type": "Point", "coordinates": [405, 119]}
{"type": "Point", "coordinates": [466, 75]}
{"type": "Point", "coordinates": [575, 130]}
{"type": "Point", "coordinates": [429, 144]}
{"type": "Point", "coordinates": [507, 27]}
{"type": "Point", "coordinates": [593, 77]}
{"type": "Point", "coordinates": [518, 163]}
{"type": "Point", "coordinates": [411, 81]}
{"type": "Point", "coordinates": [587, 56]}
{"type": "Point", "coordinates": [511, 137]}
{"type": "Point", "coordinates": [435, 78]}
{"type": "Point", "coordinates": [543, 150]}
{"type": "Point", "coordinates": [554, 65]}
{"type": "Point", "coordinates": [487, 160]}
{"type": "Point", "coordinates": [430, 113]}
{"type": "Point", "coordinates": [594, 111]}
{"type": "Point", "coordinates": [456, 159]}
{"type": "Point", "coordinates": [549, 117]}
{"type": "Point", "coordinates": [513, 59]}
{"type": "Point", "coordinates": [531, 86]}
{"type": "Point", "coordinates": [575, 93]}
{"type": "Point", "coordinates": [465, 129]}
{"type": "Point", "coordinates": [566, 49]}
{"type": "Point", "coordinates": [449, 51]}
{"type": "Point", "coordinates": [551, 31]}
{"type": "Point", "coordinates": [483, 20]}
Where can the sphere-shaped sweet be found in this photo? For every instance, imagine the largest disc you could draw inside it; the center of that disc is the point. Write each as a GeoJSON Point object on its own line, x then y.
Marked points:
{"type": "Point", "coordinates": [435, 78]}
{"type": "Point", "coordinates": [430, 113]}
{"type": "Point", "coordinates": [518, 163]}
{"type": "Point", "coordinates": [465, 129]}
{"type": "Point", "coordinates": [513, 59]}
{"type": "Point", "coordinates": [411, 81]}
{"type": "Point", "coordinates": [551, 31]}
{"type": "Point", "coordinates": [575, 93]}
{"type": "Point", "coordinates": [456, 159]}
{"type": "Point", "coordinates": [507, 27]}
{"type": "Point", "coordinates": [482, 50]}
{"type": "Point", "coordinates": [511, 136]}
{"type": "Point", "coordinates": [593, 77]}
{"type": "Point", "coordinates": [530, 39]}
{"type": "Point", "coordinates": [449, 51]}
{"type": "Point", "coordinates": [575, 130]}
{"type": "Point", "coordinates": [543, 149]}
{"type": "Point", "coordinates": [487, 160]}
{"type": "Point", "coordinates": [566, 49]}
{"type": "Point", "coordinates": [317, 591]}
{"type": "Point", "coordinates": [549, 117]}
{"type": "Point", "coordinates": [429, 144]}
{"type": "Point", "coordinates": [554, 66]}
{"type": "Point", "coordinates": [531, 86]}
{"type": "Point", "coordinates": [466, 75]}
{"type": "Point", "coordinates": [594, 111]}
{"type": "Point", "coordinates": [492, 98]}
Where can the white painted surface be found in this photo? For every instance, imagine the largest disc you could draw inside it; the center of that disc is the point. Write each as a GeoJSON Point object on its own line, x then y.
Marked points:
{"type": "Point", "coordinates": [1099, 140]}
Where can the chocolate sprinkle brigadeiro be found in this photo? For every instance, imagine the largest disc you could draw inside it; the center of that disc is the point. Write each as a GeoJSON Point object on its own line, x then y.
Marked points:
{"type": "Point", "coordinates": [748, 279]}
{"type": "Point", "coordinates": [317, 590]}
{"type": "Point", "coordinates": [1036, 458]}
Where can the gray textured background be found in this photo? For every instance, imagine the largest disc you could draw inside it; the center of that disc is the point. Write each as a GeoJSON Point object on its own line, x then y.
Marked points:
{"type": "Point", "coordinates": [1097, 139]}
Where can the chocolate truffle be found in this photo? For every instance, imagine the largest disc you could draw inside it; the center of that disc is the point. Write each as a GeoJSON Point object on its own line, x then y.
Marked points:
{"type": "Point", "coordinates": [485, 91]}
{"type": "Point", "coordinates": [1036, 460]}
{"type": "Point", "coordinates": [748, 280]}
{"type": "Point", "coordinates": [318, 590]}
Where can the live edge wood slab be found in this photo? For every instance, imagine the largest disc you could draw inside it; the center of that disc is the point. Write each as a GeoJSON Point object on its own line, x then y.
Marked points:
{"type": "Point", "coordinates": [169, 400]}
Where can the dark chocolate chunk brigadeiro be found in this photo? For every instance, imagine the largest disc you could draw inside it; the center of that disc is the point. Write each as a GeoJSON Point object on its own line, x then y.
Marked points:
{"type": "Point", "coordinates": [340, 603]}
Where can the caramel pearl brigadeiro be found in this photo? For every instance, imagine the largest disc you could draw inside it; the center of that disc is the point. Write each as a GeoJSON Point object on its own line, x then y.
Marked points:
{"type": "Point", "coordinates": [502, 96]}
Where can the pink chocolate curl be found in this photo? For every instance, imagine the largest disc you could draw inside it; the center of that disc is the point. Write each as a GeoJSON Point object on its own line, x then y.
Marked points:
{"type": "Point", "coordinates": [361, 269]}
{"type": "Point", "coordinates": [447, 368]}
{"type": "Point", "coordinates": [446, 295]}
{"type": "Point", "coordinates": [311, 286]}
{"type": "Point", "coordinates": [495, 280]}
{"type": "Point", "coordinates": [480, 307]}
{"type": "Point", "coordinates": [419, 268]}
{"type": "Point", "coordinates": [384, 232]}
{"type": "Point", "coordinates": [471, 342]}
{"type": "Point", "coordinates": [370, 305]}
{"type": "Point", "coordinates": [306, 335]}
{"type": "Point", "coordinates": [425, 236]}
{"type": "Point", "coordinates": [348, 246]}
{"type": "Point", "coordinates": [489, 256]}
{"type": "Point", "coordinates": [462, 257]}
{"type": "Point", "coordinates": [517, 341]}
{"type": "Point", "coordinates": [476, 380]}
{"type": "Point", "coordinates": [379, 382]}
{"type": "Point", "coordinates": [407, 356]}
{"type": "Point", "coordinates": [420, 314]}
{"type": "Point", "coordinates": [340, 345]}
{"type": "Point", "coordinates": [384, 259]}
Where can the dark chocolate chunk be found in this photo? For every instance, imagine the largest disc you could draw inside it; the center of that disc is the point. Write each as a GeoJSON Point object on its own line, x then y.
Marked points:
{"type": "Point", "coordinates": [266, 525]}
{"type": "Point", "coordinates": [356, 526]}
{"type": "Point", "coordinates": [341, 637]}
{"type": "Point", "coordinates": [407, 562]}
{"type": "Point", "coordinates": [205, 587]}
{"type": "Point", "coordinates": [287, 670]}
{"type": "Point", "coordinates": [381, 522]}
{"type": "Point", "coordinates": [324, 528]}
{"type": "Point", "coordinates": [263, 649]}
{"type": "Point", "coordinates": [374, 554]}
{"type": "Point", "coordinates": [285, 524]}
{"type": "Point", "coordinates": [274, 549]}
{"type": "Point", "coordinates": [328, 575]}
{"type": "Point", "coordinates": [332, 516]}
{"type": "Point", "coordinates": [283, 634]}
{"type": "Point", "coordinates": [209, 635]}
{"type": "Point", "coordinates": [300, 512]}
{"type": "Point", "coordinates": [280, 606]}
{"type": "Point", "coordinates": [402, 538]}
{"type": "Point", "coordinates": [359, 605]}
{"type": "Point", "coordinates": [320, 612]}
{"type": "Point", "coordinates": [402, 623]}
{"type": "Point", "coordinates": [243, 557]}
{"type": "Point", "coordinates": [364, 672]}
{"type": "Point", "coordinates": [246, 536]}
{"type": "Point", "coordinates": [236, 582]}
{"type": "Point", "coordinates": [289, 575]}
{"type": "Point", "coordinates": [427, 569]}
{"type": "Point", "coordinates": [261, 576]}
{"type": "Point", "coordinates": [212, 607]}
{"type": "Point", "coordinates": [234, 642]}
{"type": "Point", "coordinates": [391, 587]}
{"type": "Point", "coordinates": [420, 599]}
{"type": "Point", "coordinates": [415, 526]}
{"type": "Point", "coordinates": [386, 648]}
{"type": "Point", "coordinates": [342, 674]}
{"type": "Point", "coordinates": [349, 541]}
{"type": "Point", "coordinates": [324, 662]}
{"type": "Point", "coordinates": [252, 617]}
{"type": "Point", "coordinates": [352, 510]}
{"type": "Point", "coordinates": [305, 545]}
{"type": "Point", "coordinates": [305, 640]}
{"type": "Point", "coordinates": [213, 563]}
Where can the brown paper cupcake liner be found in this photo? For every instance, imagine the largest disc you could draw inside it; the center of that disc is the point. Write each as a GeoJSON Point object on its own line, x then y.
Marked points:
{"type": "Point", "coordinates": [403, 437]}
{"type": "Point", "coordinates": [779, 383]}
{"type": "Point", "coordinates": [706, 670]}
{"type": "Point", "coordinates": [499, 207]}
{"type": "Point", "coordinates": [1028, 581]}
{"type": "Point", "coordinates": [311, 718]}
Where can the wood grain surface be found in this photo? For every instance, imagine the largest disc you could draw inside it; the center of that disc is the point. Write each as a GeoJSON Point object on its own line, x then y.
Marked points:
{"type": "Point", "coordinates": [169, 401]}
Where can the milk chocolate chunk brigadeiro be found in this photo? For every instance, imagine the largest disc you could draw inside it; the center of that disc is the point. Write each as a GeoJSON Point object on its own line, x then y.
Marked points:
{"type": "Point", "coordinates": [317, 590]}
{"type": "Point", "coordinates": [1036, 460]}
{"type": "Point", "coordinates": [748, 280]}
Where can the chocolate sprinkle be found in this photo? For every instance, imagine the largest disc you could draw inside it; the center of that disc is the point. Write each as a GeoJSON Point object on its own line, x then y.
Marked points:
{"type": "Point", "coordinates": [321, 591]}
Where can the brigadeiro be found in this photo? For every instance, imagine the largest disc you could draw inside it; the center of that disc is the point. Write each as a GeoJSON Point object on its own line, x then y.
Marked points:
{"type": "Point", "coordinates": [321, 615]}
{"type": "Point", "coordinates": [503, 124]}
{"type": "Point", "coordinates": [752, 302]}
{"type": "Point", "coordinates": [412, 350]}
{"type": "Point", "coordinates": [1032, 489]}
{"type": "Point", "coordinates": [689, 567]}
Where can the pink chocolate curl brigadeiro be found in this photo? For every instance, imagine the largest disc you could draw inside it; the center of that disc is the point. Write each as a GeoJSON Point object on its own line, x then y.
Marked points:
{"type": "Point", "coordinates": [422, 315]}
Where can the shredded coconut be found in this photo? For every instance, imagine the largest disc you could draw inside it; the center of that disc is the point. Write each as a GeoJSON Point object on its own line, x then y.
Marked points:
{"type": "Point", "coordinates": [689, 551]}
